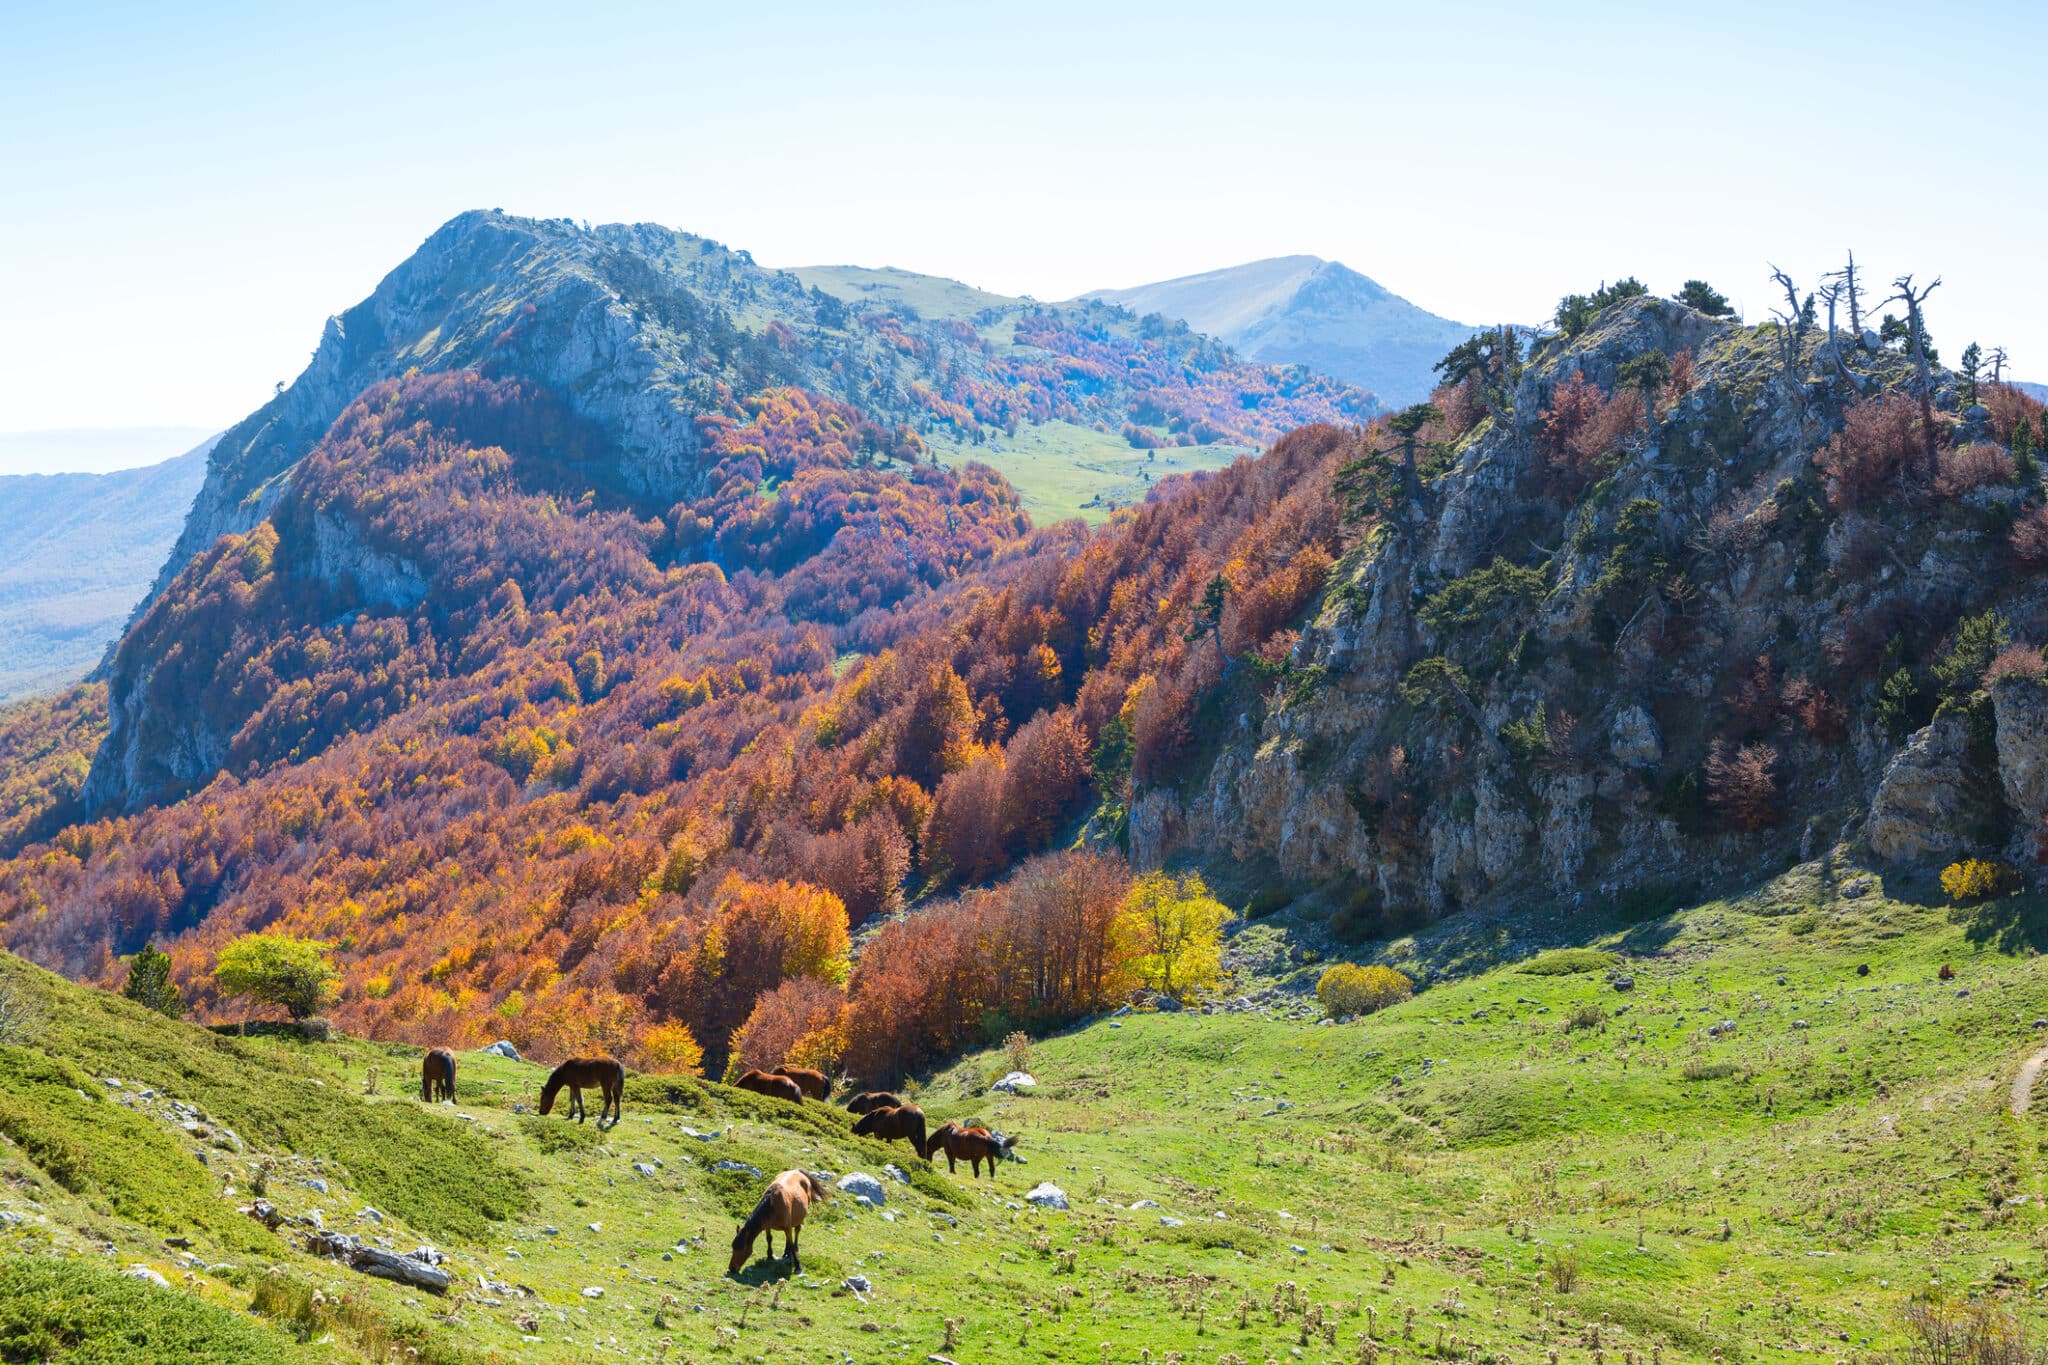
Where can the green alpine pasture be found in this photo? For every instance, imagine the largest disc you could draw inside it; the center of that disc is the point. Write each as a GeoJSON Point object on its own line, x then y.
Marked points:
{"type": "Point", "coordinates": [1063, 470]}
{"type": "Point", "coordinates": [1753, 1130]}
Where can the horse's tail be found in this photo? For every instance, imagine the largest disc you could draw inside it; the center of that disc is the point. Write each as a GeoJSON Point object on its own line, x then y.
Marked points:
{"type": "Point", "coordinates": [816, 1188]}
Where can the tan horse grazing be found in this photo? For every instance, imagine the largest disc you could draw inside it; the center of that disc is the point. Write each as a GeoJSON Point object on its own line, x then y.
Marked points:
{"type": "Point", "coordinates": [972, 1145]}
{"type": "Point", "coordinates": [782, 1209]}
{"type": "Point", "coordinates": [437, 1076]}
{"type": "Point", "coordinates": [601, 1073]}
{"type": "Point", "coordinates": [775, 1087]}
{"type": "Point", "coordinates": [815, 1084]}
{"type": "Point", "coordinates": [873, 1099]}
{"type": "Point", "coordinates": [903, 1121]}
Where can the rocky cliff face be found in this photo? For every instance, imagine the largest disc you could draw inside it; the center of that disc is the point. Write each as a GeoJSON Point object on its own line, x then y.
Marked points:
{"type": "Point", "coordinates": [1692, 665]}
{"type": "Point", "coordinates": [538, 298]}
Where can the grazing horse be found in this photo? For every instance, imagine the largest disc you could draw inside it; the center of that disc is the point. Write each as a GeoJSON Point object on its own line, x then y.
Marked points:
{"type": "Point", "coordinates": [606, 1075]}
{"type": "Point", "coordinates": [873, 1099]}
{"type": "Point", "coordinates": [437, 1076]}
{"type": "Point", "coordinates": [902, 1121]}
{"type": "Point", "coordinates": [815, 1084]}
{"type": "Point", "coordinates": [775, 1087]}
{"type": "Point", "coordinates": [782, 1209]}
{"type": "Point", "coordinates": [973, 1145]}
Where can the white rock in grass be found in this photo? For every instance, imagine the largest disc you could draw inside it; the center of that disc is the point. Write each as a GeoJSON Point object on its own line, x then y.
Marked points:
{"type": "Point", "coordinates": [143, 1272]}
{"type": "Point", "coordinates": [1047, 1196]}
{"type": "Point", "coordinates": [864, 1187]}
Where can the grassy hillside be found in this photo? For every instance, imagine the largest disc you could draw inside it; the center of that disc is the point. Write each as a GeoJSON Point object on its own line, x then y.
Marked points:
{"type": "Point", "coordinates": [77, 552]}
{"type": "Point", "coordinates": [928, 296]}
{"type": "Point", "coordinates": [1756, 1151]}
{"type": "Point", "coordinates": [1062, 470]}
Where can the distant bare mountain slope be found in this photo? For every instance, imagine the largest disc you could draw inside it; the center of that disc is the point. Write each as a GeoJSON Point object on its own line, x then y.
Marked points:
{"type": "Point", "coordinates": [1303, 310]}
{"type": "Point", "coordinates": [77, 552]}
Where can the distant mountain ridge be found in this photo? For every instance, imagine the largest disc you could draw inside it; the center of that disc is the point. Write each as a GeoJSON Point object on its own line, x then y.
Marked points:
{"type": "Point", "coordinates": [1303, 310]}
{"type": "Point", "coordinates": [77, 552]}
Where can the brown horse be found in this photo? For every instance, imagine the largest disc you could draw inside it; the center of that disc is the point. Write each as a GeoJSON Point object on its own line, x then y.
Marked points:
{"type": "Point", "coordinates": [602, 1073]}
{"type": "Point", "coordinates": [873, 1099]}
{"type": "Point", "coordinates": [775, 1087]}
{"type": "Point", "coordinates": [815, 1084]}
{"type": "Point", "coordinates": [903, 1121]}
{"type": "Point", "coordinates": [437, 1076]}
{"type": "Point", "coordinates": [789, 1197]}
{"type": "Point", "coordinates": [972, 1145]}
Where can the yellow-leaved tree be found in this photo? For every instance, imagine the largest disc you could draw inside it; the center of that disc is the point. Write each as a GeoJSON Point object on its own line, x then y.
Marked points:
{"type": "Point", "coordinates": [1179, 929]}
{"type": "Point", "coordinates": [670, 1049]}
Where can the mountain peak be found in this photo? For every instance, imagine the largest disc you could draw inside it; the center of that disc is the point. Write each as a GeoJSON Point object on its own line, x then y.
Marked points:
{"type": "Point", "coordinates": [1309, 311]}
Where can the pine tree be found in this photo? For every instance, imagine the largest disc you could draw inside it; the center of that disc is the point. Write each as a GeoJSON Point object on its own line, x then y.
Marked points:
{"type": "Point", "coordinates": [150, 984]}
{"type": "Point", "coordinates": [1973, 371]}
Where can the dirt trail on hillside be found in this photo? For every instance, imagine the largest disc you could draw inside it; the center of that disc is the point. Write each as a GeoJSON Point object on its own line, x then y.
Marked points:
{"type": "Point", "coordinates": [2023, 1084]}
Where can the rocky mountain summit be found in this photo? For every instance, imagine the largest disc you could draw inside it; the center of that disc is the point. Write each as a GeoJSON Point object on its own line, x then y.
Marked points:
{"type": "Point", "coordinates": [653, 344]}
{"type": "Point", "coordinates": [1616, 659]}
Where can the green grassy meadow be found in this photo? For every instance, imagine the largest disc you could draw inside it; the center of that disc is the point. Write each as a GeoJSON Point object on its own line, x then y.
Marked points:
{"type": "Point", "coordinates": [1754, 1151]}
{"type": "Point", "coordinates": [1063, 470]}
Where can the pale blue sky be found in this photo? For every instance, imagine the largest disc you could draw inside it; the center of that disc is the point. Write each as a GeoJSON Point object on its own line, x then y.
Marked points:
{"type": "Point", "coordinates": [189, 195]}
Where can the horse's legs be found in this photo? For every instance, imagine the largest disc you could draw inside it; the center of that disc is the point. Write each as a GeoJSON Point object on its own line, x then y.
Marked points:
{"type": "Point", "coordinates": [789, 1240]}
{"type": "Point", "coordinates": [576, 1101]}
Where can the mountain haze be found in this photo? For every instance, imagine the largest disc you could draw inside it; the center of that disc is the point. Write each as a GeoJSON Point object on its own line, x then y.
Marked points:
{"type": "Point", "coordinates": [77, 552]}
{"type": "Point", "coordinates": [1303, 310]}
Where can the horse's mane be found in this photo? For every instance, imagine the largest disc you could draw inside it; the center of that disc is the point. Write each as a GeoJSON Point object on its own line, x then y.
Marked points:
{"type": "Point", "coordinates": [751, 1229]}
{"type": "Point", "coordinates": [553, 1082]}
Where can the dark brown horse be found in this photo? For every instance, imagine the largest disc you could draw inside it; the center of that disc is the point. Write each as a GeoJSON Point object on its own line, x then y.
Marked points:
{"type": "Point", "coordinates": [873, 1099]}
{"type": "Point", "coordinates": [903, 1121]}
{"type": "Point", "coordinates": [437, 1076]}
{"type": "Point", "coordinates": [775, 1087]}
{"type": "Point", "coordinates": [815, 1084]}
{"type": "Point", "coordinates": [782, 1209]}
{"type": "Point", "coordinates": [601, 1073]}
{"type": "Point", "coordinates": [972, 1145]}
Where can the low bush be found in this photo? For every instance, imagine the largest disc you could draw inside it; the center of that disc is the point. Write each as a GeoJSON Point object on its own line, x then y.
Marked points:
{"type": "Point", "coordinates": [1569, 962]}
{"type": "Point", "coordinates": [53, 1309]}
{"type": "Point", "coordinates": [1348, 989]}
{"type": "Point", "coordinates": [1977, 879]}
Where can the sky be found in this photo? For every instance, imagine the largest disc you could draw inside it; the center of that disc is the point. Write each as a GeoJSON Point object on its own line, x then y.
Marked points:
{"type": "Point", "coordinates": [191, 191]}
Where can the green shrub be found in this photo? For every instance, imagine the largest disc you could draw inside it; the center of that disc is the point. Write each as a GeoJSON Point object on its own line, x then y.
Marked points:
{"type": "Point", "coordinates": [1266, 902]}
{"type": "Point", "coordinates": [1586, 1014]}
{"type": "Point", "coordinates": [53, 1309]}
{"type": "Point", "coordinates": [1569, 962]}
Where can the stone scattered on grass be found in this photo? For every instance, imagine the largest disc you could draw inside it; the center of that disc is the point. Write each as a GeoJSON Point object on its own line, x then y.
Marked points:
{"type": "Point", "coordinates": [1047, 1195]}
{"type": "Point", "coordinates": [143, 1272]}
{"type": "Point", "coordinates": [865, 1188]}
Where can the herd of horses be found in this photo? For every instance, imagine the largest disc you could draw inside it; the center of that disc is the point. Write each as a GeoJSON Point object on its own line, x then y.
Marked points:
{"type": "Point", "coordinates": [884, 1115]}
